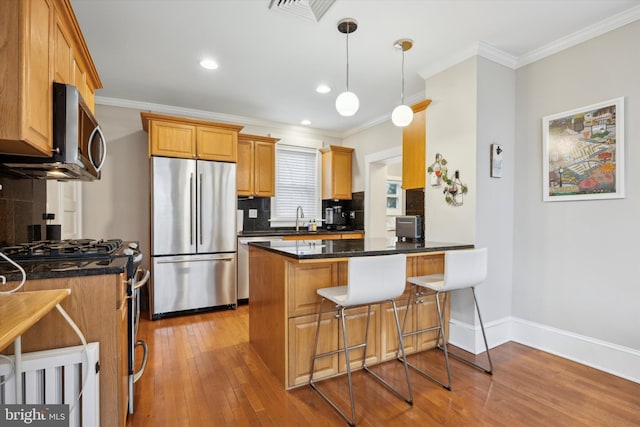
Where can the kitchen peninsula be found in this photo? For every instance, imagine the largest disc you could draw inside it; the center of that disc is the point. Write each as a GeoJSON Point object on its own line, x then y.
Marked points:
{"type": "Point", "coordinates": [284, 277]}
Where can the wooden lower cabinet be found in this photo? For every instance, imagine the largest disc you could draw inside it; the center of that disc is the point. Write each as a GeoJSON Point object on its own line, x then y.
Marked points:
{"type": "Point", "coordinates": [98, 305]}
{"type": "Point", "coordinates": [302, 298]}
{"type": "Point", "coordinates": [284, 306]}
{"type": "Point", "coordinates": [356, 321]}
{"type": "Point", "coordinates": [302, 333]}
{"type": "Point", "coordinates": [389, 333]}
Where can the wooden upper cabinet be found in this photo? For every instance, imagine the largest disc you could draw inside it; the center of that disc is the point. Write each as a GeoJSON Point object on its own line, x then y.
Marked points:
{"type": "Point", "coordinates": [172, 136]}
{"type": "Point", "coordinates": [256, 166]}
{"type": "Point", "coordinates": [214, 143]}
{"type": "Point", "coordinates": [336, 173]}
{"type": "Point", "coordinates": [38, 38]}
{"type": "Point", "coordinates": [172, 139]}
{"type": "Point", "coordinates": [414, 148]}
{"type": "Point", "coordinates": [63, 63]}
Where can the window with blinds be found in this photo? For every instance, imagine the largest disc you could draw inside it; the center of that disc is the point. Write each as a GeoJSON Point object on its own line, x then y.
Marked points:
{"type": "Point", "coordinates": [296, 183]}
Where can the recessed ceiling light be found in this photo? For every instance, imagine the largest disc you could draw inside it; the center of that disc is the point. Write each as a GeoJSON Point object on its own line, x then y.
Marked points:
{"type": "Point", "coordinates": [209, 64]}
{"type": "Point", "coordinates": [305, 122]}
{"type": "Point", "coordinates": [323, 89]}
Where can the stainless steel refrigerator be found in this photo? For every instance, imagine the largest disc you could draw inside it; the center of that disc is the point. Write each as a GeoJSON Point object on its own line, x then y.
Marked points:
{"type": "Point", "coordinates": [193, 235]}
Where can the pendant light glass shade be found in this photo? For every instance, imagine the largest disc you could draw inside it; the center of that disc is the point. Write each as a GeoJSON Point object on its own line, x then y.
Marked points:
{"type": "Point", "coordinates": [402, 115]}
{"type": "Point", "coordinates": [347, 103]}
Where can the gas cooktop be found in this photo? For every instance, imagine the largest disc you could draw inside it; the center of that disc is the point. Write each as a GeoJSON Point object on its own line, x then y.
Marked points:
{"type": "Point", "coordinates": [51, 250]}
{"type": "Point", "coordinates": [66, 258]}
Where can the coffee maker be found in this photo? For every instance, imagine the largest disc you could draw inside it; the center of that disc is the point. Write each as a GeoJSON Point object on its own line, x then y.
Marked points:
{"type": "Point", "coordinates": [335, 218]}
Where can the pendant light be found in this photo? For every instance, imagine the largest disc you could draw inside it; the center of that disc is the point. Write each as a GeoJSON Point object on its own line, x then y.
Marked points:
{"type": "Point", "coordinates": [402, 115]}
{"type": "Point", "coordinates": [347, 102]}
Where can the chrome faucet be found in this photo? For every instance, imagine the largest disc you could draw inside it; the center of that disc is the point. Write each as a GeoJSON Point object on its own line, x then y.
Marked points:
{"type": "Point", "coordinates": [299, 209]}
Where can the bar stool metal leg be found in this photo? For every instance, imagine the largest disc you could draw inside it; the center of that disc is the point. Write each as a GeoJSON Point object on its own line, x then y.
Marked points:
{"type": "Point", "coordinates": [346, 349]}
{"type": "Point", "coordinates": [444, 344]}
{"type": "Point", "coordinates": [484, 335]}
{"type": "Point", "coordinates": [315, 346]}
{"type": "Point", "coordinates": [439, 328]}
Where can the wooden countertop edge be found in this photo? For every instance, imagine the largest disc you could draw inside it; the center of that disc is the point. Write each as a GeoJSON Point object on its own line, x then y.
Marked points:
{"type": "Point", "coordinates": [21, 310]}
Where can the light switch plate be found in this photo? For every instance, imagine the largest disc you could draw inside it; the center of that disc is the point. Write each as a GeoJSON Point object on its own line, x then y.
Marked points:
{"type": "Point", "coordinates": [253, 213]}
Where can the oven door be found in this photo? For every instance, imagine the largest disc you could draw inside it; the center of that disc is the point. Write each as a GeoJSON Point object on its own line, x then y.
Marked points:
{"type": "Point", "coordinates": [136, 283]}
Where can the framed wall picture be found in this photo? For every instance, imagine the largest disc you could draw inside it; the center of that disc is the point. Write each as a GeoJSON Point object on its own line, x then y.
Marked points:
{"type": "Point", "coordinates": [583, 153]}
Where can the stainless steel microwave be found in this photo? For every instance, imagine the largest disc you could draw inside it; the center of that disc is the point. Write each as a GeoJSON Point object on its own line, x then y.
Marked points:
{"type": "Point", "coordinates": [79, 146]}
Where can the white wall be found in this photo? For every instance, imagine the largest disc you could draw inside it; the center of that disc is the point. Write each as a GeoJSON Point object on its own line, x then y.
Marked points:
{"type": "Point", "coordinates": [372, 140]}
{"type": "Point", "coordinates": [117, 206]}
{"type": "Point", "coordinates": [451, 131]}
{"type": "Point", "coordinates": [472, 106]}
{"type": "Point", "coordinates": [495, 196]}
{"type": "Point", "coordinates": [576, 264]}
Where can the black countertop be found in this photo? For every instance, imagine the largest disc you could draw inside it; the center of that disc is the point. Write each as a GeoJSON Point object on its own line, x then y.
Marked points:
{"type": "Point", "coordinates": [57, 269]}
{"type": "Point", "coordinates": [319, 249]}
{"type": "Point", "coordinates": [293, 232]}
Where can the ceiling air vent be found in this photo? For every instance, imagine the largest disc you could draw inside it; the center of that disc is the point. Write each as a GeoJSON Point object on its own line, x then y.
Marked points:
{"type": "Point", "coordinates": [308, 9]}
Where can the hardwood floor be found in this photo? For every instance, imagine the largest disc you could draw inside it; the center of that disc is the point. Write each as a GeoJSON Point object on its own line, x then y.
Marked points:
{"type": "Point", "coordinates": [202, 371]}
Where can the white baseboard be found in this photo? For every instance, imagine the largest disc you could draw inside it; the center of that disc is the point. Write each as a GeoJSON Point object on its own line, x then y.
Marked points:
{"type": "Point", "coordinates": [617, 360]}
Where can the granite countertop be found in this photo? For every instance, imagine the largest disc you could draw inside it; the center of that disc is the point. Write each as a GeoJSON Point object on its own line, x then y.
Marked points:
{"type": "Point", "coordinates": [293, 232]}
{"type": "Point", "coordinates": [51, 270]}
{"type": "Point", "coordinates": [319, 249]}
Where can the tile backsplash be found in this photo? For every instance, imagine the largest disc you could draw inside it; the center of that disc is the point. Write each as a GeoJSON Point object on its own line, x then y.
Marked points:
{"type": "Point", "coordinates": [414, 204]}
{"type": "Point", "coordinates": [22, 203]}
{"type": "Point", "coordinates": [262, 205]}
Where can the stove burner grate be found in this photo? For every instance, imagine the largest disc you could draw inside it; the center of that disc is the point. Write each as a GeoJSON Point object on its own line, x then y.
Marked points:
{"type": "Point", "coordinates": [63, 249]}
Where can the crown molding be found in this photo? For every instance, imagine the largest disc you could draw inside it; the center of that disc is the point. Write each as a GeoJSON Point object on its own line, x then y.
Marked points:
{"type": "Point", "coordinates": [494, 54]}
{"type": "Point", "coordinates": [209, 115]}
{"type": "Point", "coordinates": [479, 48]}
{"type": "Point", "coordinates": [616, 21]}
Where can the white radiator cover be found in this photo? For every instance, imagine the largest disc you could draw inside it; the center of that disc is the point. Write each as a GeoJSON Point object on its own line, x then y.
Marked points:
{"type": "Point", "coordinates": [48, 373]}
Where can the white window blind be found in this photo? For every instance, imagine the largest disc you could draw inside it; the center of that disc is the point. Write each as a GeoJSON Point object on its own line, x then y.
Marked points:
{"type": "Point", "coordinates": [296, 182]}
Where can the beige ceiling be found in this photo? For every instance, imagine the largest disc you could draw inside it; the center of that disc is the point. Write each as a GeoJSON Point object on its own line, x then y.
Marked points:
{"type": "Point", "coordinates": [147, 51]}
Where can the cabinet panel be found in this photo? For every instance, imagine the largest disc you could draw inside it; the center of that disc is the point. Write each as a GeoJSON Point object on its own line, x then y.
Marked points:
{"type": "Point", "coordinates": [244, 171]}
{"type": "Point", "coordinates": [302, 332]}
{"type": "Point", "coordinates": [336, 173]}
{"type": "Point", "coordinates": [216, 144]}
{"type": "Point", "coordinates": [62, 54]}
{"type": "Point", "coordinates": [389, 333]}
{"type": "Point", "coordinates": [256, 166]}
{"type": "Point", "coordinates": [356, 321]}
{"type": "Point", "coordinates": [36, 90]}
{"type": "Point", "coordinates": [426, 316]}
{"type": "Point", "coordinates": [341, 175]}
{"type": "Point", "coordinates": [414, 148]}
{"type": "Point", "coordinates": [352, 236]}
{"type": "Point", "coordinates": [305, 280]}
{"type": "Point", "coordinates": [264, 169]}
{"type": "Point", "coordinates": [172, 139]}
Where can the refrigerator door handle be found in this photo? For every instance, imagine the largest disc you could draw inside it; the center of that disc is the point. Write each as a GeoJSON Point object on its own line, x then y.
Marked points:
{"type": "Point", "coordinates": [191, 232]}
{"type": "Point", "coordinates": [200, 215]}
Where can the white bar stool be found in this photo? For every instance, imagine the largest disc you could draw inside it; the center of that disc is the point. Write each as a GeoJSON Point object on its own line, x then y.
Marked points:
{"type": "Point", "coordinates": [462, 269]}
{"type": "Point", "coordinates": [372, 279]}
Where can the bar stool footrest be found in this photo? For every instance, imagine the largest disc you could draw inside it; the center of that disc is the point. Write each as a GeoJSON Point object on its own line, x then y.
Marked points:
{"type": "Point", "coordinates": [468, 362]}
